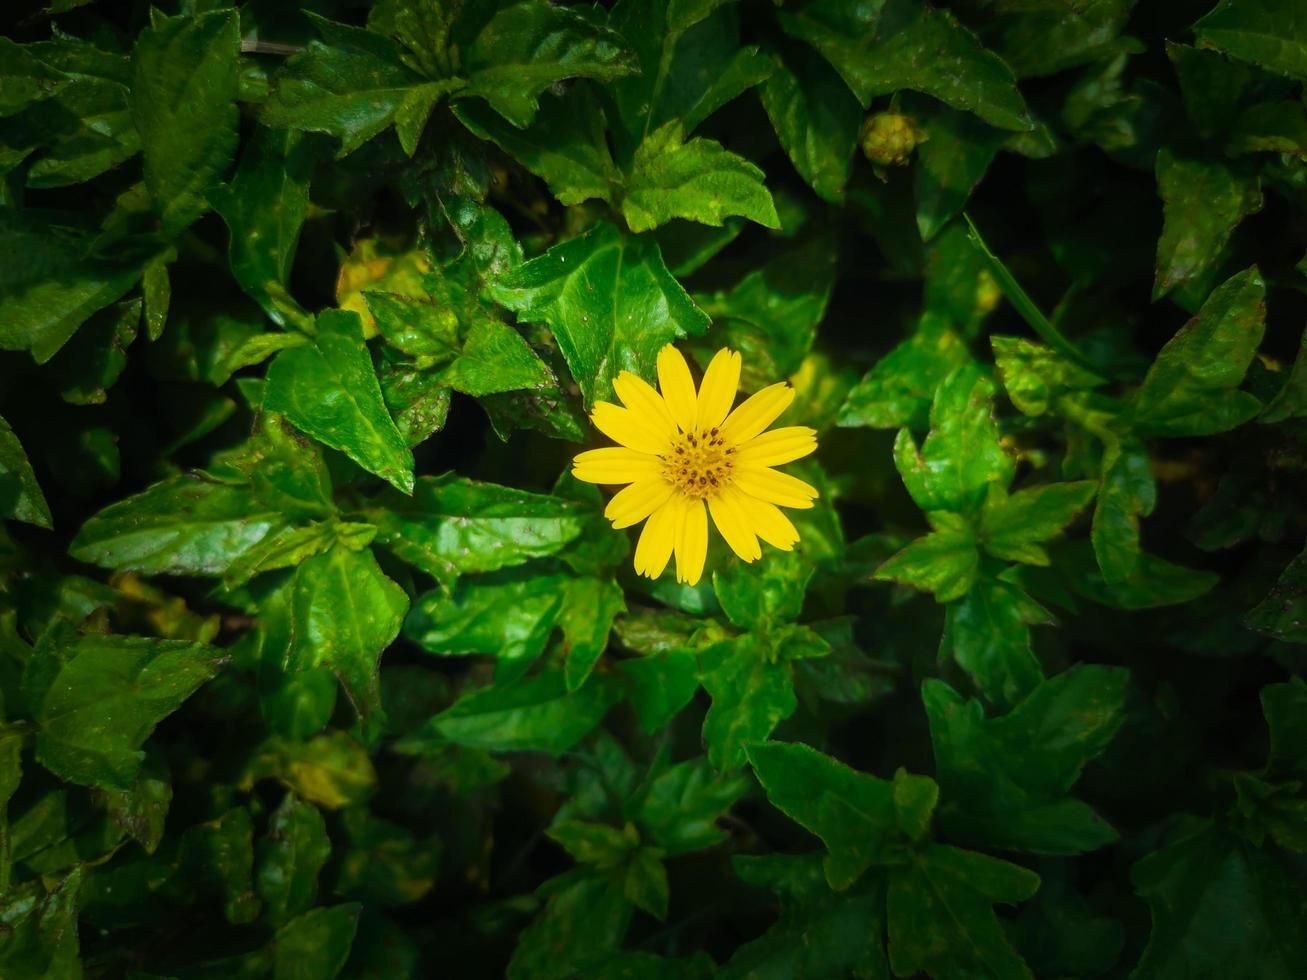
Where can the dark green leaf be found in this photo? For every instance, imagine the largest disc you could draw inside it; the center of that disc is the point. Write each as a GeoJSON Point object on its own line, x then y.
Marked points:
{"type": "Point", "coordinates": [1265, 32]}
{"type": "Point", "coordinates": [898, 391]}
{"type": "Point", "coordinates": [944, 562]}
{"type": "Point", "coordinates": [330, 391]}
{"type": "Point", "coordinates": [184, 98]}
{"type": "Point", "coordinates": [289, 857]}
{"type": "Point", "coordinates": [96, 699]}
{"type": "Point", "coordinates": [882, 47]}
{"type": "Point", "coordinates": [610, 302]}
{"type": "Point", "coordinates": [315, 945]}
{"type": "Point", "coordinates": [20, 495]}
{"type": "Point", "coordinates": [1004, 781]}
{"type": "Point", "coordinates": [451, 526]}
{"type": "Point", "coordinates": [752, 692]}
{"type": "Point", "coordinates": [1203, 201]}
{"type": "Point", "coordinates": [1012, 527]}
{"type": "Point", "coordinates": [987, 632]}
{"type": "Point", "coordinates": [583, 922]}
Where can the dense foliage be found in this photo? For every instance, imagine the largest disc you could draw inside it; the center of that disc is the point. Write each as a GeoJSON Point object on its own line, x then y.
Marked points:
{"type": "Point", "coordinates": [318, 662]}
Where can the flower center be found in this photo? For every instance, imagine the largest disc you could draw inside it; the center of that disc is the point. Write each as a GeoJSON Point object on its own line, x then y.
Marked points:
{"type": "Point", "coordinates": [699, 463]}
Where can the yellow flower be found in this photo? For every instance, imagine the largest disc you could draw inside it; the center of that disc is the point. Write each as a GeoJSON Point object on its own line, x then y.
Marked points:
{"type": "Point", "coordinates": [680, 451]}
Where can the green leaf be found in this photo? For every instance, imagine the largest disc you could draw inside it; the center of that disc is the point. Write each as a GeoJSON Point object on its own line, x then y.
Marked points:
{"type": "Point", "coordinates": [584, 921]}
{"type": "Point", "coordinates": [331, 770]}
{"type": "Point", "coordinates": [89, 364]}
{"type": "Point", "coordinates": [1049, 36]}
{"type": "Point", "coordinates": [955, 890]}
{"type": "Point", "coordinates": [1004, 781]}
{"type": "Point", "coordinates": [264, 207]}
{"type": "Point", "coordinates": [816, 120]}
{"type": "Point", "coordinates": [21, 498]}
{"type": "Point", "coordinates": [97, 698]}
{"type": "Point", "coordinates": [944, 562]}
{"type": "Point", "coordinates": [764, 595]}
{"type": "Point", "coordinates": [1280, 614]}
{"type": "Point", "coordinates": [1283, 706]}
{"type": "Point", "coordinates": [565, 146]}
{"type": "Point", "coordinates": [352, 85]}
{"type": "Point", "coordinates": [385, 864]}
{"type": "Point", "coordinates": [699, 180]}
{"type": "Point", "coordinates": [820, 933]}
{"type": "Point", "coordinates": [610, 302]}
{"type": "Point", "coordinates": [772, 314]}
{"type": "Point", "coordinates": [751, 694]}
{"type": "Point", "coordinates": [289, 857]}
{"type": "Point", "coordinates": [589, 607]}
{"type": "Point", "coordinates": [57, 286]}
{"type": "Point", "coordinates": [899, 389]}
{"type": "Point", "coordinates": [27, 79]}
{"type": "Point", "coordinates": [184, 98]}
{"type": "Point", "coordinates": [315, 945]}
{"type": "Point", "coordinates": [1203, 201]}
{"type": "Point", "coordinates": [881, 47]}
{"type": "Point", "coordinates": [1037, 377]}
{"type": "Point", "coordinates": [345, 612]}
{"type": "Point", "coordinates": [1218, 907]}
{"type": "Point", "coordinates": [962, 454]}
{"type": "Point", "coordinates": [1265, 32]}
{"type": "Point", "coordinates": [678, 810]}
{"type": "Point", "coordinates": [956, 153]}
{"type": "Point", "coordinates": [661, 685]}
{"type": "Point", "coordinates": [853, 813]}
{"type": "Point", "coordinates": [509, 617]}
{"type": "Point", "coordinates": [451, 526]}
{"type": "Point", "coordinates": [526, 47]}
{"type": "Point", "coordinates": [291, 546]}
{"type": "Point", "coordinates": [987, 632]}
{"type": "Point", "coordinates": [1192, 387]}
{"type": "Point", "coordinates": [330, 391]}
{"type": "Point", "coordinates": [536, 714]}
{"type": "Point", "coordinates": [40, 940]}
{"type": "Point", "coordinates": [186, 525]}
{"type": "Point", "coordinates": [1012, 526]}
{"type": "Point", "coordinates": [495, 358]}
{"type": "Point", "coordinates": [1273, 810]}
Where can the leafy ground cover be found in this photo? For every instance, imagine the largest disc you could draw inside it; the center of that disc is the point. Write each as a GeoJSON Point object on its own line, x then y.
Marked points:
{"type": "Point", "coordinates": [321, 657]}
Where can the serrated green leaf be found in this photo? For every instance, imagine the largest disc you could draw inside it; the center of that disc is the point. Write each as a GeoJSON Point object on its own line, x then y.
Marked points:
{"type": "Point", "coordinates": [944, 562]}
{"type": "Point", "coordinates": [536, 714]}
{"type": "Point", "coordinates": [526, 47]}
{"type": "Point", "coordinates": [1203, 202]}
{"type": "Point", "coordinates": [1265, 32]}
{"type": "Point", "coordinates": [987, 632]}
{"type": "Point", "coordinates": [186, 525]}
{"type": "Point", "coordinates": [962, 454]}
{"type": "Point", "coordinates": [345, 612]}
{"type": "Point", "coordinates": [330, 391]}
{"type": "Point", "coordinates": [699, 180]}
{"type": "Point", "coordinates": [315, 945]}
{"type": "Point", "coordinates": [584, 921]}
{"type": "Point", "coordinates": [264, 207]}
{"type": "Point", "coordinates": [881, 47]}
{"type": "Point", "coordinates": [956, 890]}
{"type": "Point", "coordinates": [451, 526]}
{"type": "Point", "coordinates": [27, 79]}
{"type": "Point", "coordinates": [1200, 880]}
{"type": "Point", "coordinates": [1012, 527]}
{"type": "Point", "coordinates": [1004, 780]}
{"type": "Point", "coordinates": [184, 99]}
{"type": "Point", "coordinates": [610, 302]}
{"type": "Point", "coordinates": [816, 119]}
{"type": "Point", "coordinates": [96, 699]}
{"type": "Point", "coordinates": [352, 85]}
{"type": "Point", "coordinates": [21, 498]}
{"type": "Point", "coordinates": [678, 811]}
{"type": "Point", "coordinates": [899, 389]}
{"type": "Point", "coordinates": [1036, 377]}
{"type": "Point", "coordinates": [751, 694]}
{"type": "Point", "coordinates": [1192, 387]}
{"type": "Point", "coordinates": [289, 857]}
{"type": "Point", "coordinates": [57, 286]}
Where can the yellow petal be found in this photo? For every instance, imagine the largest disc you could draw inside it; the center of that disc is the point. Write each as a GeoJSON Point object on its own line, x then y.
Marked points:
{"type": "Point", "coordinates": [729, 515]}
{"type": "Point", "coordinates": [639, 396]}
{"type": "Point", "coordinates": [636, 502]}
{"type": "Point", "coordinates": [773, 486]}
{"type": "Point", "coordinates": [692, 543]}
{"type": "Point", "coordinates": [677, 387]}
{"type": "Point", "coordinates": [657, 540]}
{"type": "Point", "coordinates": [769, 523]}
{"type": "Point", "coordinates": [756, 413]}
{"type": "Point", "coordinates": [626, 427]}
{"type": "Point", "coordinates": [717, 392]}
{"type": "Point", "coordinates": [783, 445]}
{"type": "Point", "coordinates": [615, 464]}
